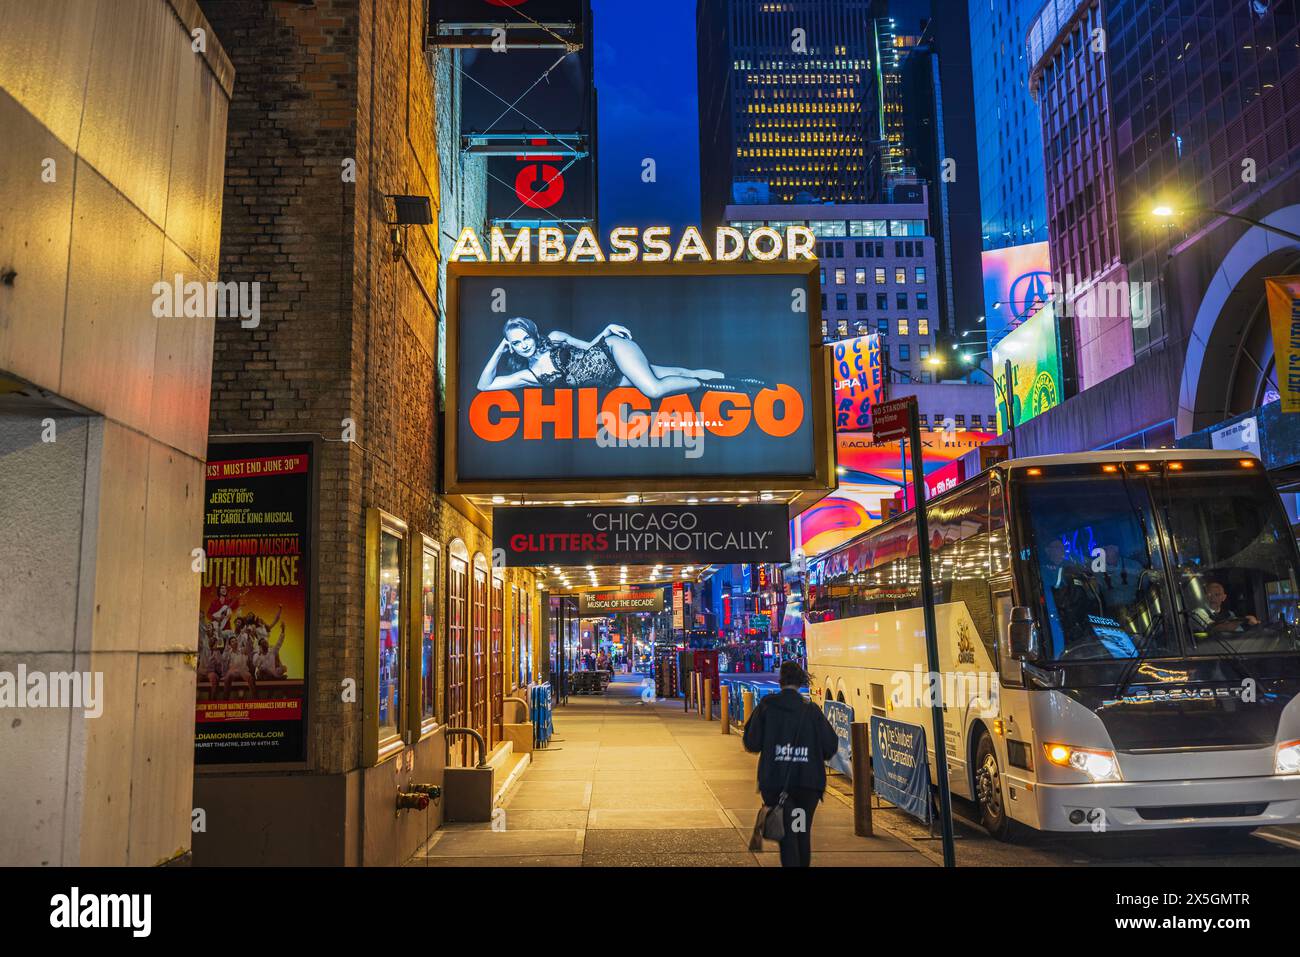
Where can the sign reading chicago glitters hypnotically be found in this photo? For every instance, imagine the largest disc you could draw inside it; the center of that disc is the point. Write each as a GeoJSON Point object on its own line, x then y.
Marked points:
{"type": "Point", "coordinates": [625, 601]}
{"type": "Point", "coordinates": [641, 535]}
{"type": "Point", "coordinates": [254, 614]}
{"type": "Point", "coordinates": [587, 372]}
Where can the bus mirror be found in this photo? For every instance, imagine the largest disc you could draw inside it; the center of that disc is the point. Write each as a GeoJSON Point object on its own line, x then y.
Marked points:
{"type": "Point", "coordinates": [1023, 634]}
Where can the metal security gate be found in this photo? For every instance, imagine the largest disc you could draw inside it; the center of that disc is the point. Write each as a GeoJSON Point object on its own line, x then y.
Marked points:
{"type": "Point", "coordinates": [496, 660]}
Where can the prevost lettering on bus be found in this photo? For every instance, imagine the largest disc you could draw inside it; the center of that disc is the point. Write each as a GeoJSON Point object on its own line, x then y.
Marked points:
{"type": "Point", "coordinates": [641, 535]}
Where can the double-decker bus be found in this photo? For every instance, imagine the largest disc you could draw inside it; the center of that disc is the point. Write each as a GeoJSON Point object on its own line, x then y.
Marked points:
{"type": "Point", "coordinates": [1117, 634]}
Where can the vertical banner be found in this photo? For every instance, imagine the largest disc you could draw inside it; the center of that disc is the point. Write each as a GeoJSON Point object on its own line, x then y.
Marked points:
{"type": "Point", "coordinates": [254, 613]}
{"type": "Point", "coordinates": [840, 715]}
{"type": "Point", "coordinates": [859, 383]}
{"type": "Point", "coordinates": [679, 607]}
{"type": "Point", "coordinates": [1283, 294]}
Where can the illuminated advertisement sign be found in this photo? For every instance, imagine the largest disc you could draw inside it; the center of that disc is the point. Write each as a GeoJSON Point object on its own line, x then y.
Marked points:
{"type": "Point", "coordinates": [566, 376]}
{"type": "Point", "coordinates": [1017, 282]}
{"type": "Point", "coordinates": [1035, 364]}
{"type": "Point", "coordinates": [254, 604]}
{"type": "Point", "coordinates": [869, 473]}
{"type": "Point", "coordinates": [641, 535]}
{"type": "Point", "coordinates": [542, 186]}
{"type": "Point", "coordinates": [858, 382]}
{"type": "Point", "coordinates": [625, 601]}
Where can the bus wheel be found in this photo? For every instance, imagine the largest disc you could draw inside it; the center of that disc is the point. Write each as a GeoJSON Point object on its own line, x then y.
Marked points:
{"type": "Point", "coordinates": [988, 790]}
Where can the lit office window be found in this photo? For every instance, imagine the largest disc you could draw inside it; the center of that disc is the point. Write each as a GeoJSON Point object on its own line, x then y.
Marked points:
{"type": "Point", "coordinates": [920, 273]}
{"type": "Point", "coordinates": [860, 276]}
{"type": "Point", "coordinates": [900, 275]}
{"type": "Point", "coordinates": [844, 328]}
{"type": "Point", "coordinates": [841, 276]}
{"type": "Point", "coordinates": [960, 420]}
{"type": "Point", "coordinates": [923, 327]}
{"type": "Point", "coordinates": [902, 327]}
{"type": "Point", "coordinates": [880, 275]}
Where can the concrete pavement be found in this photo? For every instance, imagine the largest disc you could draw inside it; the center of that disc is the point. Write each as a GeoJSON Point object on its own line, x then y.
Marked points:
{"type": "Point", "coordinates": [634, 783]}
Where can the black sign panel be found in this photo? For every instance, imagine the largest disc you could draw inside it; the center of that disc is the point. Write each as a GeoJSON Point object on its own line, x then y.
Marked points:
{"type": "Point", "coordinates": [641, 535]}
{"type": "Point", "coordinates": [546, 188]}
{"type": "Point", "coordinates": [625, 601]}
{"type": "Point", "coordinates": [527, 91]}
{"type": "Point", "coordinates": [524, 13]}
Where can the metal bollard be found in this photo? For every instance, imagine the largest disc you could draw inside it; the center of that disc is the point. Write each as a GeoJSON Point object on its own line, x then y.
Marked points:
{"type": "Point", "coordinates": [706, 705]}
{"type": "Point", "coordinates": [726, 708]}
{"type": "Point", "coordinates": [860, 742]}
{"type": "Point", "coordinates": [747, 703]}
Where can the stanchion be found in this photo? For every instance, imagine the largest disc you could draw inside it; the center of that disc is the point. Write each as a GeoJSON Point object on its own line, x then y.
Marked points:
{"type": "Point", "coordinates": [860, 742]}
{"type": "Point", "coordinates": [747, 702]}
{"type": "Point", "coordinates": [706, 705]}
{"type": "Point", "coordinates": [726, 708]}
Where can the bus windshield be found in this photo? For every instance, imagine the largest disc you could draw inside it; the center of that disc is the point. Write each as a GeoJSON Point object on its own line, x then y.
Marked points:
{"type": "Point", "coordinates": [1101, 583]}
{"type": "Point", "coordinates": [1107, 589]}
{"type": "Point", "coordinates": [1233, 562]}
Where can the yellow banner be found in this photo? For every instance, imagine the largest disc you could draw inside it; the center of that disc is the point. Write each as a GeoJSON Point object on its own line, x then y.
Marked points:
{"type": "Point", "coordinates": [1284, 318]}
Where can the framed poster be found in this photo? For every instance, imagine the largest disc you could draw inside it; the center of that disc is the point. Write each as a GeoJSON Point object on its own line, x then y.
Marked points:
{"type": "Point", "coordinates": [255, 604]}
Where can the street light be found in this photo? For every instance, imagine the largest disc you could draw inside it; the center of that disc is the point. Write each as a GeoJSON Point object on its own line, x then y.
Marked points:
{"type": "Point", "coordinates": [1010, 378]}
{"type": "Point", "coordinates": [1165, 211]}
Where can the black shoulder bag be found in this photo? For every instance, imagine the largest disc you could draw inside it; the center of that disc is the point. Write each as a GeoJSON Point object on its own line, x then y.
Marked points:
{"type": "Point", "coordinates": [770, 823]}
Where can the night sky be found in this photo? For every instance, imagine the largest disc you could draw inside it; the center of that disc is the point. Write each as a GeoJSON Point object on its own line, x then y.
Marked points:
{"type": "Point", "coordinates": [646, 84]}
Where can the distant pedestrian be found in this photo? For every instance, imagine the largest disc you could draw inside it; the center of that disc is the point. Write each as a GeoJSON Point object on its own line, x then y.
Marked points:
{"type": "Point", "coordinates": [793, 740]}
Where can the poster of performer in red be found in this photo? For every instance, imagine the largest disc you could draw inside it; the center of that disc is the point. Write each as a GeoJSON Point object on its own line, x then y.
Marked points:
{"type": "Point", "coordinates": [254, 604]}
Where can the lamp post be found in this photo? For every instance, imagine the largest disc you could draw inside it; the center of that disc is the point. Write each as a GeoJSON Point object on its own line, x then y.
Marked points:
{"type": "Point", "coordinates": [1006, 393]}
{"type": "Point", "coordinates": [1164, 211]}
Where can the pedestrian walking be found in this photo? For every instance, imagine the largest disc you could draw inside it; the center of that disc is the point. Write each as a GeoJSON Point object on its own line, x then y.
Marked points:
{"type": "Point", "coordinates": [793, 740]}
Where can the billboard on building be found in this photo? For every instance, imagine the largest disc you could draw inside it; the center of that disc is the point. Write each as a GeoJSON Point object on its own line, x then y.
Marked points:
{"type": "Point", "coordinates": [525, 13]}
{"type": "Point", "coordinates": [681, 376]}
{"type": "Point", "coordinates": [552, 189]}
{"type": "Point", "coordinates": [1036, 368]}
{"type": "Point", "coordinates": [858, 381]}
{"type": "Point", "coordinates": [254, 604]}
{"type": "Point", "coordinates": [871, 472]}
{"type": "Point", "coordinates": [1017, 282]}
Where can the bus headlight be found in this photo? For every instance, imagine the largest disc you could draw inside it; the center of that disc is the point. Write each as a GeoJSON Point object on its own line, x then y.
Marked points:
{"type": "Point", "coordinates": [1287, 758]}
{"type": "Point", "coordinates": [1097, 764]}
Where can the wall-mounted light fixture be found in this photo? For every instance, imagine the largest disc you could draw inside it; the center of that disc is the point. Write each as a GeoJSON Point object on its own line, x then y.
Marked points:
{"type": "Point", "coordinates": [410, 211]}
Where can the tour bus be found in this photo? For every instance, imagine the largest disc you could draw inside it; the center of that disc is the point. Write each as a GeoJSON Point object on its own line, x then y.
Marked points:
{"type": "Point", "coordinates": [1118, 642]}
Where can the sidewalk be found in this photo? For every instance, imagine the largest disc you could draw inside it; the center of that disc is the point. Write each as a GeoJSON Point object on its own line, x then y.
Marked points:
{"type": "Point", "coordinates": [628, 783]}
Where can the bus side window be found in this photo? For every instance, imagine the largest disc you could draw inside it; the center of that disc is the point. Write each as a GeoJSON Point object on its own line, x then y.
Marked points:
{"type": "Point", "coordinates": [999, 537]}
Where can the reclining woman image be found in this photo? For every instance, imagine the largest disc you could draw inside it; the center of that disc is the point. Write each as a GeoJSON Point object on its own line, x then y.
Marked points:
{"type": "Point", "coordinates": [612, 359]}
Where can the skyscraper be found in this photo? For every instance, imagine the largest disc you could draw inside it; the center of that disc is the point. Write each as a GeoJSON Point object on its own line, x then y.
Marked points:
{"type": "Point", "coordinates": [1008, 132]}
{"type": "Point", "coordinates": [783, 103]}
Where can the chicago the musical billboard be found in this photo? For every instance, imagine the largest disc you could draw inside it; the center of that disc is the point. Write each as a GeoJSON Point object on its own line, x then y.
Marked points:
{"type": "Point", "coordinates": [681, 374]}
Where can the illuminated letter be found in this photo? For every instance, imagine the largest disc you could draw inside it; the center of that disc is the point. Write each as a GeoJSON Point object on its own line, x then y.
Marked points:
{"type": "Point", "coordinates": [468, 244]}
{"type": "Point", "coordinates": [621, 241]}
{"type": "Point", "coordinates": [586, 245]}
{"type": "Point", "coordinates": [677, 412]}
{"type": "Point", "coordinates": [725, 237]}
{"type": "Point", "coordinates": [765, 411]}
{"type": "Point", "coordinates": [613, 407]}
{"type": "Point", "coordinates": [692, 244]}
{"type": "Point", "coordinates": [503, 252]}
{"type": "Point", "coordinates": [765, 232]}
{"type": "Point", "coordinates": [480, 416]}
{"type": "Point", "coordinates": [537, 412]}
{"type": "Point", "coordinates": [800, 243]}
{"type": "Point", "coordinates": [652, 241]}
{"type": "Point", "coordinates": [550, 245]}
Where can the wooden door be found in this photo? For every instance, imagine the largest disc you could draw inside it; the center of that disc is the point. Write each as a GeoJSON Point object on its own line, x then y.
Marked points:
{"type": "Point", "coordinates": [478, 672]}
{"type": "Point", "coordinates": [457, 661]}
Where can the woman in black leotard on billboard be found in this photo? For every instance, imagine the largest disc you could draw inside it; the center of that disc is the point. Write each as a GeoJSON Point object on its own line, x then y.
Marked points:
{"type": "Point", "coordinates": [611, 359]}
